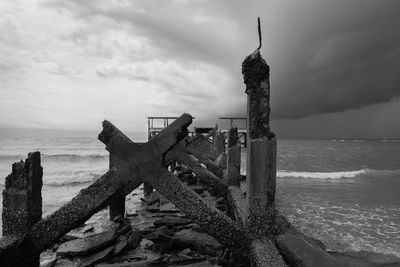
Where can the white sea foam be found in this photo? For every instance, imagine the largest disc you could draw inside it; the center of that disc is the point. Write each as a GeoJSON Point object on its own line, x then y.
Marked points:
{"type": "Point", "coordinates": [321, 175]}
{"type": "Point", "coordinates": [336, 175]}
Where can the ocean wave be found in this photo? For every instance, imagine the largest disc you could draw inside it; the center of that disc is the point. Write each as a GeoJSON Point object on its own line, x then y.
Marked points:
{"type": "Point", "coordinates": [57, 156]}
{"type": "Point", "coordinates": [90, 178]}
{"type": "Point", "coordinates": [74, 156]}
{"type": "Point", "coordinates": [336, 175]}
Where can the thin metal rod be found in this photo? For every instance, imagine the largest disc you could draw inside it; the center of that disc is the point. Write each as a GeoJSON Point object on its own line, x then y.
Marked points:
{"type": "Point", "coordinates": [259, 33]}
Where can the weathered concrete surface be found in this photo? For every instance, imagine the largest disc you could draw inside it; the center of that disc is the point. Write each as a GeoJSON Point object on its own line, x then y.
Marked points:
{"type": "Point", "coordinates": [221, 160]}
{"type": "Point", "coordinates": [261, 184]}
{"type": "Point", "coordinates": [233, 165]}
{"type": "Point", "coordinates": [85, 246]}
{"type": "Point", "coordinates": [238, 203]}
{"type": "Point", "coordinates": [22, 196]}
{"type": "Point", "coordinates": [199, 241]}
{"type": "Point", "coordinates": [22, 199]}
{"type": "Point", "coordinates": [298, 252]}
{"type": "Point", "coordinates": [255, 72]}
{"type": "Point", "coordinates": [200, 144]}
{"type": "Point", "coordinates": [117, 202]}
{"type": "Point", "coordinates": [178, 154]}
{"type": "Point", "coordinates": [143, 160]}
{"type": "Point", "coordinates": [263, 253]}
{"type": "Point", "coordinates": [211, 220]}
{"type": "Point", "coordinates": [219, 142]}
{"type": "Point", "coordinates": [233, 157]}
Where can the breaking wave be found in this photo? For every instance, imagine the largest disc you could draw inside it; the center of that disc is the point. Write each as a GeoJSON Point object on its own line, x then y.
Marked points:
{"type": "Point", "coordinates": [336, 175]}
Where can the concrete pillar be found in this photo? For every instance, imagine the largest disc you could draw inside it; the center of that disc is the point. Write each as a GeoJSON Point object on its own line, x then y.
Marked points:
{"type": "Point", "coordinates": [22, 198]}
{"type": "Point", "coordinates": [233, 157]}
{"type": "Point", "coordinates": [219, 142]}
{"type": "Point", "coordinates": [261, 145]}
{"type": "Point", "coordinates": [117, 202]}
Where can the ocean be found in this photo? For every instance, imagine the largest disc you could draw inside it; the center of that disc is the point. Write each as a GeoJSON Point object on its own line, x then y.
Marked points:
{"type": "Point", "coordinates": [343, 192]}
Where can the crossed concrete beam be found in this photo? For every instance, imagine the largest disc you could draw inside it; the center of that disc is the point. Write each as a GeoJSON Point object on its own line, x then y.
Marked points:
{"type": "Point", "coordinates": [135, 163]}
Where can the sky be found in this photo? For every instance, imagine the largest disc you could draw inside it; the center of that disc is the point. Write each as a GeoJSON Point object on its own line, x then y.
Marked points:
{"type": "Point", "coordinates": [68, 65]}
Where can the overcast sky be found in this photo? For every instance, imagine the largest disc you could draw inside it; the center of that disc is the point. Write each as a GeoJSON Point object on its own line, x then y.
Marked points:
{"type": "Point", "coordinates": [68, 65]}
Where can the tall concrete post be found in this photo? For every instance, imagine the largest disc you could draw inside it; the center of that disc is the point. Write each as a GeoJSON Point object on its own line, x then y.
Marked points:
{"type": "Point", "coordinates": [261, 149]}
{"type": "Point", "coordinates": [22, 198]}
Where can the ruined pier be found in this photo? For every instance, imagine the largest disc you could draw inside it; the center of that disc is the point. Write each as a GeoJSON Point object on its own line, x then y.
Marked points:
{"type": "Point", "coordinates": [249, 226]}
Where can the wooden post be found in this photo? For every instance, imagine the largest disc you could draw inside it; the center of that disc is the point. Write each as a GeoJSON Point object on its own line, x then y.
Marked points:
{"type": "Point", "coordinates": [22, 199]}
{"type": "Point", "coordinates": [117, 202]}
{"type": "Point", "coordinates": [233, 157]}
{"type": "Point", "coordinates": [261, 163]}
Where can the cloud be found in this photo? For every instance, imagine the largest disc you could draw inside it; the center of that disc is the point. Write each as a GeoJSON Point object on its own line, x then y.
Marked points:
{"type": "Point", "coordinates": [73, 58]}
{"type": "Point", "coordinates": [346, 62]}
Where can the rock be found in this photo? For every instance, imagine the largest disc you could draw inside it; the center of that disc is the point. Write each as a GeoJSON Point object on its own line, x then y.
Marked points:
{"type": "Point", "coordinates": [49, 263]}
{"type": "Point", "coordinates": [298, 252]}
{"type": "Point", "coordinates": [171, 221]}
{"type": "Point", "coordinates": [134, 238]}
{"type": "Point", "coordinates": [168, 208]}
{"type": "Point", "coordinates": [199, 241]}
{"type": "Point", "coordinates": [99, 256]}
{"type": "Point", "coordinates": [120, 246]}
{"type": "Point", "coordinates": [366, 258]}
{"type": "Point", "coordinates": [162, 239]}
{"type": "Point", "coordinates": [193, 226]}
{"type": "Point", "coordinates": [84, 246]}
{"type": "Point", "coordinates": [154, 207]}
{"type": "Point", "coordinates": [123, 229]}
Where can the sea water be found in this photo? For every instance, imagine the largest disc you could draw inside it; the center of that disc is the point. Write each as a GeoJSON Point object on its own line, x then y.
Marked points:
{"type": "Point", "coordinates": [343, 192]}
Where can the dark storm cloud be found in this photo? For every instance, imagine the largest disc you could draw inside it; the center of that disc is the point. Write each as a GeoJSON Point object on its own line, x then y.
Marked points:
{"type": "Point", "coordinates": [346, 58]}
{"type": "Point", "coordinates": [325, 56]}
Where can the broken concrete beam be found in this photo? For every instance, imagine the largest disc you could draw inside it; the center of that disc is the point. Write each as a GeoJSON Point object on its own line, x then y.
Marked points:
{"type": "Point", "coordinates": [263, 253]}
{"type": "Point", "coordinates": [201, 144]}
{"type": "Point", "coordinates": [205, 175]}
{"type": "Point", "coordinates": [117, 202]}
{"type": "Point", "coordinates": [70, 216]}
{"type": "Point", "coordinates": [22, 196]}
{"type": "Point", "coordinates": [233, 157]}
{"type": "Point", "coordinates": [238, 203]}
{"type": "Point", "coordinates": [134, 162]}
{"type": "Point", "coordinates": [211, 220]}
{"type": "Point", "coordinates": [261, 184]}
{"type": "Point", "coordinates": [298, 252]}
{"type": "Point", "coordinates": [212, 167]}
{"type": "Point", "coordinates": [22, 199]}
